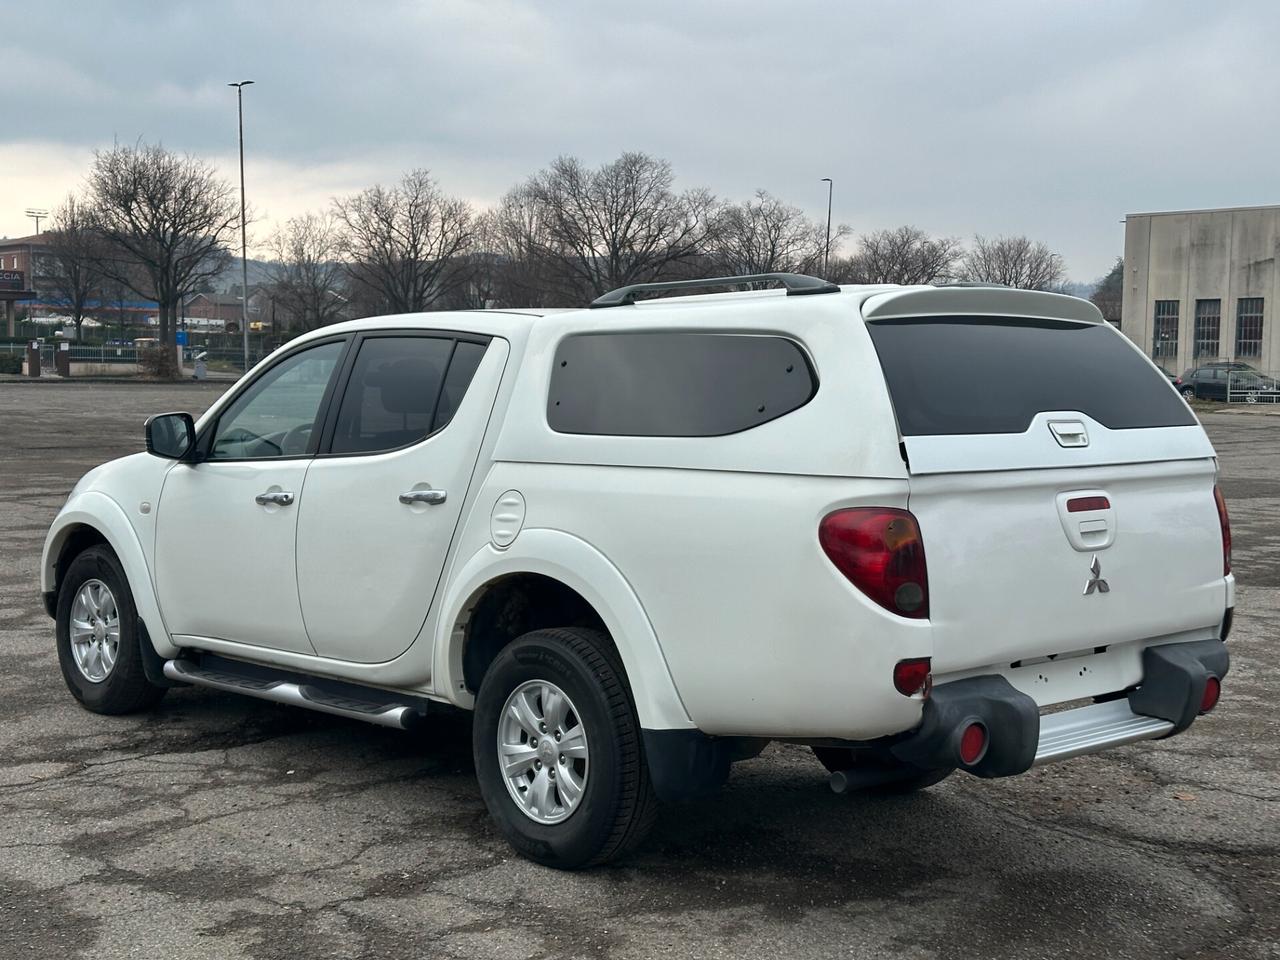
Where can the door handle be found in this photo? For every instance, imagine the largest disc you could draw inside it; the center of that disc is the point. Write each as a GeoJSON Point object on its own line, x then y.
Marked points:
{"type": "Point", "coordinates": [281, 498]}
{"type": "Point", "coordinates": [423, 496]}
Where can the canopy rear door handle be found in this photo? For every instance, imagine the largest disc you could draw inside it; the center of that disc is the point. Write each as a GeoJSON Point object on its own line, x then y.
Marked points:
{"type": "Point", "coordinates": [423, 496]}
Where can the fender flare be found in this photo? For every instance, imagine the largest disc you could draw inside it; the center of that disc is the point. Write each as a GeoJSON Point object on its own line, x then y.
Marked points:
{"type": "Point", "coordinates": [579, 565]}
{"type": "Point", "coordinates": [98, 511]}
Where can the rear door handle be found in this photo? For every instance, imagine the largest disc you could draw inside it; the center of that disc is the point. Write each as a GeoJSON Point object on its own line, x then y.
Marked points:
{"type": "Point", "coordinates": [423, 496]}
{"type": "Point", "coordinates": [281, 498]}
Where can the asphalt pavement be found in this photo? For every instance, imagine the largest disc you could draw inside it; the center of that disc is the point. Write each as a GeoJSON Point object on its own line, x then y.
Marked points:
{"type": "Point", "coordinates": [222, 827]}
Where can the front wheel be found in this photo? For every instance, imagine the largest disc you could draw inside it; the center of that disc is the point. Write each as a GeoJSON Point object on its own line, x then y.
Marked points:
{"type": "Point", "coordinates": [836, 759]}
{"type": "Point", "coordinates": [98, 637]}
{"type": "Point", "coordinates": [558, 750]}
{"type": "Point", "coordinates": [1188, 393]}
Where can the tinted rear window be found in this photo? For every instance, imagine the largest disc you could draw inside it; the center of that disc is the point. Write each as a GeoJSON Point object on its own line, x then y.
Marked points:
{"type": "Point", "coordinates": [959, 375]}
{"type": "Point", "coordinates": [674, 384]}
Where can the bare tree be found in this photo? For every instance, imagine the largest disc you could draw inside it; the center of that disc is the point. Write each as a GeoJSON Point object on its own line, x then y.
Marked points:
{"type": "Point", "coordinates": [400, 242]}
{"type": "Point", "coordinates": [71, 270]}
{"type": "Point", "coordinates": [307, 276]}
{"type": "Point", "coordinates": [1108, 295]}
{"type": "Point", "coordinates": [765, 235]}
{"type": "Point", "coordinates": [166, 221]}
{"type": "Point", "coordinates": [1014, 262]}
{"type": "Point", "coordinates": [905, 255]}
{"type": "Point", "coordinates": [621, 223]}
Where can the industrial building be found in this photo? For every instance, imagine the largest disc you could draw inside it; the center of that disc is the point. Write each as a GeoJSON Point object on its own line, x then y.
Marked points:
{"type": "Point", "coordinates": [1202, 285]}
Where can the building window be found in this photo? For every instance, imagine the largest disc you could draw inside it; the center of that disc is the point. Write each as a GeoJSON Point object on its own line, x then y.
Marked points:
{"type": "Point", "coordinates": [1208, 325]}
{"type": "Point", "coordinates": [1164, 345]}
{"type": "Point", "coordinates": [1249, 327]}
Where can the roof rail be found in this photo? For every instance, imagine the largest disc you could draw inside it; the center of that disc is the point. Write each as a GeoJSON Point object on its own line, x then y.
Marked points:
{"type": "Point", "coordinates": [969, 283]}
{"type": "Point", "coordinates": [797, 284]}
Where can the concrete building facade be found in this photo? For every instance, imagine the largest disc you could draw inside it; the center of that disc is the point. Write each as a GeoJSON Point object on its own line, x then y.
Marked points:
{"type": "Point", "coordinates": [1202, 285]}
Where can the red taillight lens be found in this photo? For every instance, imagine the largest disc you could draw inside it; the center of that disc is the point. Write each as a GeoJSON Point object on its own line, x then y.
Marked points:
{"type": "Point", "coordinates": [1085, 504]}
{"type": "Point", "coordinates": [1212, 691]}
{"type": "Point", "coordinates": [911, 676]}
{"type": "Point", "coordinates": [973, 744]}
{"type": "Point", "coordinates": [1225, 522]}
{"type": "Point", "coordinates": [879, 549]}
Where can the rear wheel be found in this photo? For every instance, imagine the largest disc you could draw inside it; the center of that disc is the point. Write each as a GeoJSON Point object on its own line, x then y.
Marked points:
{"type": "Point", "coordinates": [558, 750]}
{"type": "Point", "coordinates": [98, 637]}
{"type": "Point", "coordinates": [906, 779]}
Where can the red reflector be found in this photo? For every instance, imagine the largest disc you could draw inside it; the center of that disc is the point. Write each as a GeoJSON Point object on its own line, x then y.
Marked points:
{"type": "Point", "coordinates": [973, 744]}
{"type": "Point", "coordinates": [1212, 691]}
{"type": "Point", "coordinates": [880, 551]}
{"type": "Point", "coordinates": [1081, 504]}
{"type": "Point", "coordinates": [1225, 522]}
{"type": "Point", "coordinates": [911, 676]}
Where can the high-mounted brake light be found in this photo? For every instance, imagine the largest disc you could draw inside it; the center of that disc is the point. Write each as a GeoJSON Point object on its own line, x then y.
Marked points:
{"type": "Point", "coordinates": [1225, 522]}
{"type": "Point", "coordinates": [880, 551]}
{"type": "Point", "coordinates": [1085, 504]}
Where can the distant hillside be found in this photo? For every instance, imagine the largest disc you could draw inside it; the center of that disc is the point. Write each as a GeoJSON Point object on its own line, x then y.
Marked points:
{"type": "Point", "coordinates": [230, 277]}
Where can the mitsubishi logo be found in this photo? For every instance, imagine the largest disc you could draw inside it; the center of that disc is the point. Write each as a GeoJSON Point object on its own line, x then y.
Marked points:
{"type": "Point", "coordinates": [1096, 582]}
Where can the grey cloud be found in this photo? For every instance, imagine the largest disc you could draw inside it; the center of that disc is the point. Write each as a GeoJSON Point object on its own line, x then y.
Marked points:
{"type": "Point", "coordinates": [1049, 119]}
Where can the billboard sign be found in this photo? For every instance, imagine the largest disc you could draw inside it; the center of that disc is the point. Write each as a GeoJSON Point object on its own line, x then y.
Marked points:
{"type": "Point", "coordinates": [12, 280]}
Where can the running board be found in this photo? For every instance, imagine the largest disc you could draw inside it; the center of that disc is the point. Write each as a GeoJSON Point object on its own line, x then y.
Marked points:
{"type": "Point", "coordinates": [1099, 726]}
{"type": "Point", "coordinates": [381, 708]}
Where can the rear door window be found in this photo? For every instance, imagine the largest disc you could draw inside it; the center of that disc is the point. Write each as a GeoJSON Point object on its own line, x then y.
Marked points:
{"type": "Point", "coordinates": [661, 384]}
{"type": "Point", "coordinates": [401, 390]}
{"type": "Point", "coordinates": [973, 375]}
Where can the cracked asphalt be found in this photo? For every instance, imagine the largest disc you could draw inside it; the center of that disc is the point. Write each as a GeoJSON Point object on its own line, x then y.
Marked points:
{"type": "Point", "coordinates": [223, 827]}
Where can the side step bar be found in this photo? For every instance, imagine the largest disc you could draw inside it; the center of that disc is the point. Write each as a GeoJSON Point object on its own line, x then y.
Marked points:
{"type": "Point", "coordinates": [343, 700]}
{"type": "Point", "coordinates": [1098, 726]}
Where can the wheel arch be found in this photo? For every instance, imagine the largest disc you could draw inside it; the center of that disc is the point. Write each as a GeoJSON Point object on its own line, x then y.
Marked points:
{"type": "Point", "coordinates": [555, 561]}
{"type": "Point", "coordinates": [94, 518]}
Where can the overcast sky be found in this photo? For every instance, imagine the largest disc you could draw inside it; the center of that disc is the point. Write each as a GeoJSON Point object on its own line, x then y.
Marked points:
{"type": "Point", "coordinates": [1052, 120]}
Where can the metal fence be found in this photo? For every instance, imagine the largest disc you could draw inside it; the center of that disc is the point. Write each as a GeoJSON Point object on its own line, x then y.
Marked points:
{"type": "Point", "coordinates": [1253, 386]}
{"type": "Point", "coordinates": [217, 359]}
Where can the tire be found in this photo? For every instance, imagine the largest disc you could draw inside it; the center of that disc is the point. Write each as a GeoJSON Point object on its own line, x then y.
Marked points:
{"type": "Point", "coordinates": [1188, 393]}
{"type": "Point", "coordinates": [124, 687]}
{"type": "Point", "coordinates": [616, 806]}
{"type": "Point", "coordinates": [846, 758]}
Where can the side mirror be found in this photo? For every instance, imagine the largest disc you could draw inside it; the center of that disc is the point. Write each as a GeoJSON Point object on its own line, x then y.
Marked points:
{"type": "Point", "coordinates": [171, 435]}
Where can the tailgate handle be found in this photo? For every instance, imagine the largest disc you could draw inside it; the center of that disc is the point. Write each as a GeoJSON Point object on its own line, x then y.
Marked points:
{"type": "Point", "coordinates": [1069, 433]}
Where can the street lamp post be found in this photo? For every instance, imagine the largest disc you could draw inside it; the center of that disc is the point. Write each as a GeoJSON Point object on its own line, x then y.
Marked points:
{"type": "Point", "coordinates": [826, 256]}
{"type": "Point", "coordinates": [244, 256]}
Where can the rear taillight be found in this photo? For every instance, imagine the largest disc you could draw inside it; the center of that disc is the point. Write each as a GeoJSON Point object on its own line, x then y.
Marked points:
{"type": "Point", "coordinates": [1225, 522]}
{"type": "Point", "coordinates": [912, 676]}
{"type": "Point", "coordinates": [973, 743]}
{"type": "Point", "coordinates": [880, 551]}
{"type": "Point", "coordinates": [1212, 691]}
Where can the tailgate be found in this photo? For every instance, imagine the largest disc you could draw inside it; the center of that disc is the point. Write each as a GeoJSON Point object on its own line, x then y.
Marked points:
{"type": "Point", "coordinates": [1064, 490]}
{"type": "Point", "coordinates": [1011, 564]}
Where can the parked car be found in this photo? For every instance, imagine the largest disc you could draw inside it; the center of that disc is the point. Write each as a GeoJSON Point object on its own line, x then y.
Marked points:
{"type": "Point", "coordinates": [641, 541]}
{"type": "Point", "coordinates": [1223, 380]}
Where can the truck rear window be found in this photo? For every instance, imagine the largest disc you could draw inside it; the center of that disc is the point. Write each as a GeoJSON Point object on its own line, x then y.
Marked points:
{"type": "Point", "coordinates": [965, 375]}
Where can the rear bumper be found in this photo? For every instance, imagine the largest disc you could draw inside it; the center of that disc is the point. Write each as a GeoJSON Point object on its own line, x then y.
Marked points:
{"type": "Point", "coordinates": [1167, 702]}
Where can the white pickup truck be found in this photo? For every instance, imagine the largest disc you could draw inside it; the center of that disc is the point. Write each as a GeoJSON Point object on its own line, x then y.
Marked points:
{"type": "Point", "coordinates": [921, 529]}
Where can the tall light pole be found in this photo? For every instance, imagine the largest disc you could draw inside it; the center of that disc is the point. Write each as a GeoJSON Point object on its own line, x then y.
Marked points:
{"type": "Point", "coordinates": [826, 257]}
{"type": "Point", "coordinates": [244, 256]}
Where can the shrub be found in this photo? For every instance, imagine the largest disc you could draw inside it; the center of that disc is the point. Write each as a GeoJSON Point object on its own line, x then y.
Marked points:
{"type": "Point", "coordinates": [159, 362]}
{"type": "Point", "coordinates": [10, 363]}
